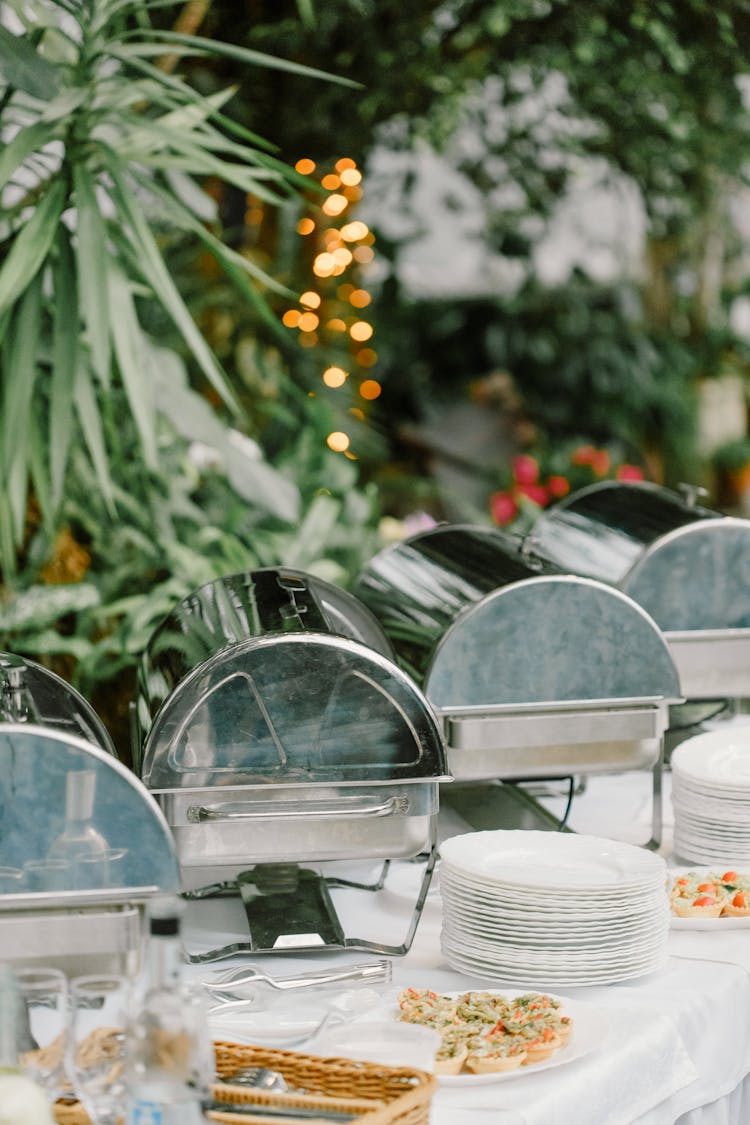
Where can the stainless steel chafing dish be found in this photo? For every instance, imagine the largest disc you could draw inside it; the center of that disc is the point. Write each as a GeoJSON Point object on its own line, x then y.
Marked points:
{"type": "Point", "coordinates": [687, 565]}
{"type": "Point", "coordinates": [83, 846]}
{"type": "Point", "coordinates": [534, 673]}
{"type": "Point", "coordinates": [31, 693]}
{"type": "Point", "coordinates": [274, 729]}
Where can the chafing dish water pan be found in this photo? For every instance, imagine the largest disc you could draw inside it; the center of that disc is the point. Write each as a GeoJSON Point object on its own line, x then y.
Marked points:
{"type": "Point", "coordinates": [83, 846]}
{"type": "Point", "coordinates": [270, 738]}
{"type": "Point", "coordinates": [534, 673]}
{"type": "Point", "coordinates": [687, 565]}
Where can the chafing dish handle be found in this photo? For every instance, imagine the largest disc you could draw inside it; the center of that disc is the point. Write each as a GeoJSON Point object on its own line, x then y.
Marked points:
{"type": "Point", "coordinates": [324, 810]}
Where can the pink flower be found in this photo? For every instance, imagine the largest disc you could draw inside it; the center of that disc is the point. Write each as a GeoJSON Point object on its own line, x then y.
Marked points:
{"type": "Point", "coordinates": [503, 508]}
{"type": "Point", "coordinates": [525, 469]}
{"type": "Point", "coordinates": [629, 472]}
{"type": "Point", "coordinates": [558, 486]}
{"type": "Point", "coordinates": [535, 493]}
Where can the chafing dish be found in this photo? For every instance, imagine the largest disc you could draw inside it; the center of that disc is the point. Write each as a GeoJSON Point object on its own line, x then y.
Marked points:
{"type": "Point", "coordinates": [31, 693]}
{"type": "Point", "coordinates": [687, 565]}
{"type": "Point", "coordinates": [534, 673]}
{"type": "Point", "coordinates": [273, 728]}
{"type": "Point", "coordinates": [83, 846]}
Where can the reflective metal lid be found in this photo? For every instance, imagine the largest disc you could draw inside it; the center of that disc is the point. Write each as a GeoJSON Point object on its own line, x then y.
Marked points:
{"type": "Point", "coordinates": [76, 824]}
{"type": "Point", "coordinates": [687, 565]}
{"type": "Point", "coordinates": [31, 693]}
{"type": "Point", "coordinates": [251, 680]}
{"type": "Point", "coordinates": [481, 621]}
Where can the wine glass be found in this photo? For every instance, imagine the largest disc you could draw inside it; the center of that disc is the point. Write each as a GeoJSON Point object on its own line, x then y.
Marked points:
{"type": "Point", "coordinates": [99, 1013]}
{"type": "Point", "coordinates": [43, 994]}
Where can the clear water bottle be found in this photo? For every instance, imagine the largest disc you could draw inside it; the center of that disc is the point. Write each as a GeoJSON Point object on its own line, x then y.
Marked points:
{"type": "Point", "coordinates": [80, 845]}
{"type": "Point", "coordinates": [169, 1054]}
{"type": "Point", "coordinates": [22, 1102]}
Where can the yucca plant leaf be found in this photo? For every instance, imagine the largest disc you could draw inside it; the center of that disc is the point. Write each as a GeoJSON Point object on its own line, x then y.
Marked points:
{"type": "Point", "coordinates": [7, 544]}
{"type": "Point", "coordinates": [38, 470]}
{"type": "Point", "coordinates": [155, 271]}
{"type": "Point", "coordinates": [64, 362]}
{"type": "Point", "coordinates": [25, 142]}
{"type": "Point", "coordinates": [91, 261]}
{"type": "Point", "coordinates": [19, 376]}
{"type": "Point", "coordinates": [241, 54]}
{"type": "Point", "coordinates": [87, 408]}
{"type": "Point", "coordinates": [24, 69]}
{"type": "Point", "coordinates": [39, 605]}
{"type": "Point", "coordinates": [320, 520]}
{"type": "Point", "coordinates": [31, 244]}
{"type": "Point", "coordinates": [130, 352]}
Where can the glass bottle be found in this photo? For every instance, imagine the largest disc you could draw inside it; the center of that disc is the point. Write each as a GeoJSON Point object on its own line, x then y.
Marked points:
{"type": "Point", "coordinates": [169, 1055]}
{"type": "Point", "coordinates": [79, 844]}
{"type": "Point", "coordinates": [22, 1102]}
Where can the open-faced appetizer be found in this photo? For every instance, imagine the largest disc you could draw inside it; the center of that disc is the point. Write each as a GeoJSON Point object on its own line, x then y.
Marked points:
{"type": "Point", "coordinates": [713, 895]}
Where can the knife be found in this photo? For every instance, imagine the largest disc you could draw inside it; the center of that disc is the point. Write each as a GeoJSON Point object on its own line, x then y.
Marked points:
{"type": "Point", "coordinates": [297, 1113]}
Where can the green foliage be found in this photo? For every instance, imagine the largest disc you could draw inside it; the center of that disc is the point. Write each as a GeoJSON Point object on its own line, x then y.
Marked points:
{"type": "Point", "coordinates": [107, 153]}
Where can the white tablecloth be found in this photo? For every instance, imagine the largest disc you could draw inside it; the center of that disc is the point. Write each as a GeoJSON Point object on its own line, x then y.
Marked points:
{"type": "Point", "coordinates": [677, 1045]}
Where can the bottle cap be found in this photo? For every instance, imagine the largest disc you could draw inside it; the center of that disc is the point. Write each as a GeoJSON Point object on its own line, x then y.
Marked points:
{"type": "Point", "coordinates": [165, 915]}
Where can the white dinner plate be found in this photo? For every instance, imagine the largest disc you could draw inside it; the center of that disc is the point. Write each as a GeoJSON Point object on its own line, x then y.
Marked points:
{"type": "Point", "coordinates": [555, 861]}
{"type": "Point", "coordinates": [717, 759]}
{"type": "Point", "coordinates": [590, 1029]}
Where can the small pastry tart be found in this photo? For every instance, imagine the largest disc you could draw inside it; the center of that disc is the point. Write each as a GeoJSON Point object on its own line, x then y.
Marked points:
{"type": "Point", "coordinates": [450, 1058]}
{"type": "Point", "coordinates": [704, 906]}
{"type": "Point", "coordinates": [738, 906]}
{"type": "Point", "coordinates": [497, 1059]}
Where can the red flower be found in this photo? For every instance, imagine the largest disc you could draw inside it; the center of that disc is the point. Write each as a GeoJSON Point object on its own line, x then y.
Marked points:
{"type": "Point", "coordinates": [600, 462]}
{"type": "Point", "coordinates": [558, 486]}
{"type": "Point", "coordinates": [525, 469]}
{"type": "Point", "coordinates": [535, 492]}
{"type": "Point", "coordinates": [582, 455]}
{"type": "Point", "coordinates": [503, 508]}
{"type": "Point", "coordinates": [629, 472]}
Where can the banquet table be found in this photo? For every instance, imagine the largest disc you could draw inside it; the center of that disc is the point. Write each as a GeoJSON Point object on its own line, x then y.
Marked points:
{"type": "Point", "coordinates": [674, 1045]}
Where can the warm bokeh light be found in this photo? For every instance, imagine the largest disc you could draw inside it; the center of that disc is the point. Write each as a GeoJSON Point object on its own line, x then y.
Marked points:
{"type": "Point", "coordinates": [345, 291]}
{"type": "Point", "coordinates": [364, 254]}
{"type": "Point", "coordinates": [353, 194]}
{"type": "Point", "coordinates": [345, 162]}
{"type": "Point", "coordinates": [310, 299]}
{"type": "Point", "coordinates": [308, 339]}
{"type": "Point", "coordinates": [366, 357]}
{"type": "Point", "coordinates": [308, 322]}
{"type": "Point", "coordinates": [336, 324]}
{"type": "Point", "coordinates": [305, 167]}
{"type": "Point", "coordinates": [334, 376]}
{"type": "Point", "coordinates": [360, 298]}
{"type": "Point", "coordinates": [360, 331]}
{"type": "Point", "coordinates": [332, 181]}
{"type": "Point", "coordinates": [357, 413]}
{"type": "Point", "coordinates": [342, 256]}
{"type": "Point", "coordinates": [350, 177]}
{"type": "Point", "coordinates": [370, 389]}
{"type": "Point", "coordinates": [337, 441]}
{"type": "Point", "coordinates": [324, 265]}
{"type": "Point", "coordinates": [354, 231]}
{"type": "Point", "coordinates": [291, 318]}
{"type": "Point", "coordinates": [335, 204]}
{"type": "Point", "coordinates": [305, 226]}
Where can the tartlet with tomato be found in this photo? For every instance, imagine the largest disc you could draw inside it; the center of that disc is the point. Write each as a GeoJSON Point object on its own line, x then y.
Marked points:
{"type": "Point", "coordinates": [700, 894]}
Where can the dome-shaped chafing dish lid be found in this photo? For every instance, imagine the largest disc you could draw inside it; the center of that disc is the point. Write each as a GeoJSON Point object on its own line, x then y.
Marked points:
{"type": "Point", "coordinates": [231, 609]}
{"type": "Point", "coordinates": [484, 623]}
{"type": "Point", "coordinates": [31, 693]}
{"type": "Point", "coordinates": [35, 766]}
{"type": "Point", "coordinates": [296, 709]}
{"type": "Point", "coordinates": [688, 566]}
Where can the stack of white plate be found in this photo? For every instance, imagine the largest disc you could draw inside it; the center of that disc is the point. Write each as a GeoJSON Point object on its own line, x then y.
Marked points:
{"type": "Point", "coordinates": [552, 908]}
{"type": "Point", "coordinates": [711, 796]}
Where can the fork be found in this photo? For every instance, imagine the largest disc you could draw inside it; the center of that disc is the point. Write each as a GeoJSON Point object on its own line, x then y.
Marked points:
{"type": "Point", "coordinates": [377, 972]}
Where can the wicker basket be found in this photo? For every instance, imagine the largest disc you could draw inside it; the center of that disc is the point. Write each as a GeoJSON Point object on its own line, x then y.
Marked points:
{"type": "Point", "coordinates": [380, 1095]}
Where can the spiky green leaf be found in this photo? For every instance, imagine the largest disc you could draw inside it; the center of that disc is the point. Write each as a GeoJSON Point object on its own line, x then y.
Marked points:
{"type": "Point", "coordinates": [31, 245]}
{"type": "Point", "coordinates": [64, 362]}
{"type": "Point", "coordinates": [23, 69]}
{"type": "Point", "coordinates": [91, 260]}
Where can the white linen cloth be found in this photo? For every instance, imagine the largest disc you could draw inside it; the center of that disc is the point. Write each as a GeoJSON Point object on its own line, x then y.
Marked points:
{"type": "Point", "coordinates": [678, 1042]}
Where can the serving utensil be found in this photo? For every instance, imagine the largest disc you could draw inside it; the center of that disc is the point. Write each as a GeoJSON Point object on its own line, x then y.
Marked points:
{"type": "Point", "coordinates": [248, 984]}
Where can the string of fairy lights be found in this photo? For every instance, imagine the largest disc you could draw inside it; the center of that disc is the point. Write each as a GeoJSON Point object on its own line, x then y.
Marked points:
{"type": "Point", "coordinates": [332, 312]}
